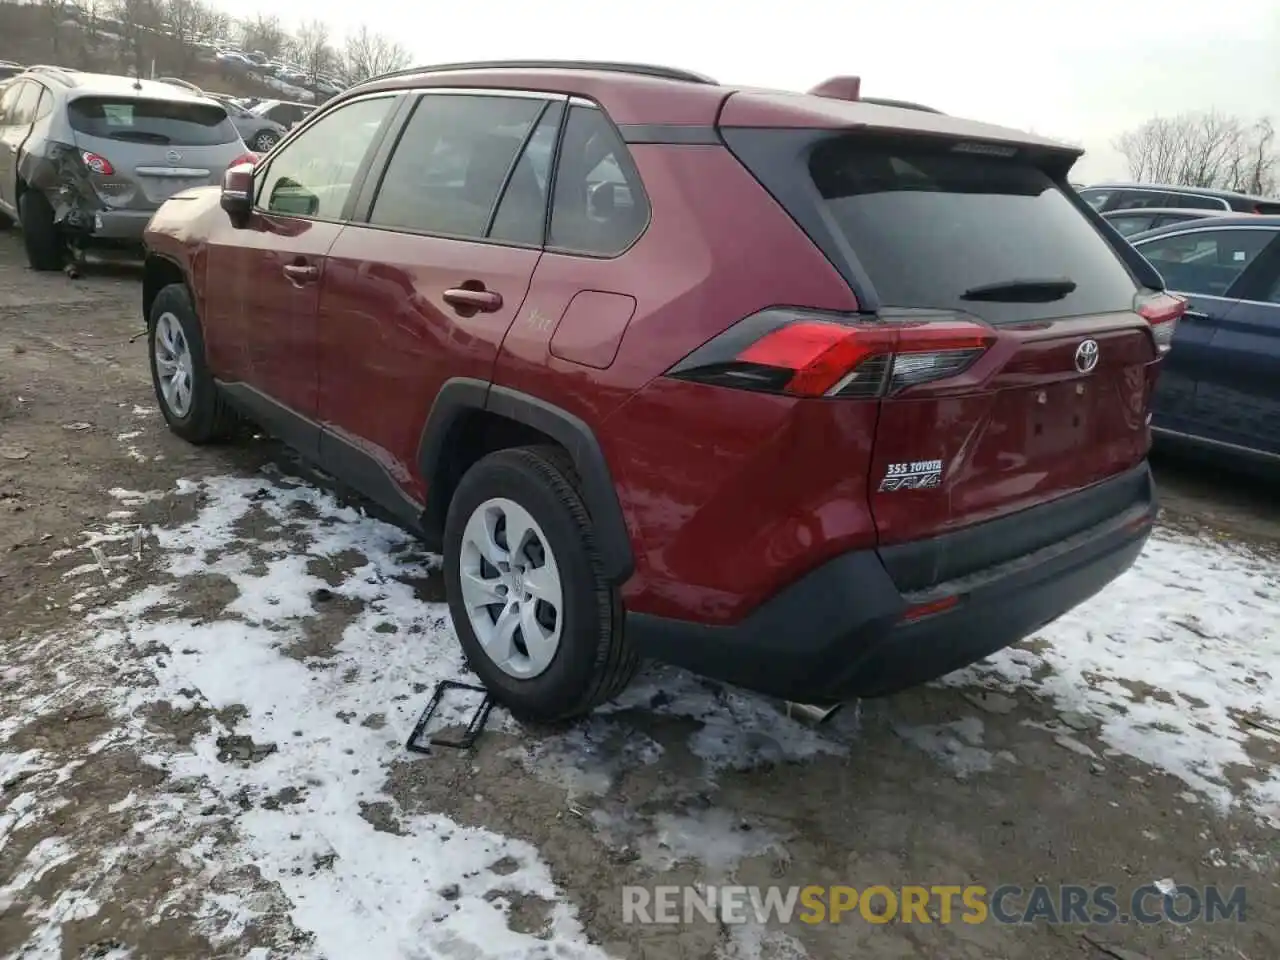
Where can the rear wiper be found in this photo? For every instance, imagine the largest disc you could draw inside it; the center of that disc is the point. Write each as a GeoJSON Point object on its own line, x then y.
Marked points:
{"type": "Point", "coordinates": [139, 136]}
{"type": "Point", "coordinates": [1022, 291]}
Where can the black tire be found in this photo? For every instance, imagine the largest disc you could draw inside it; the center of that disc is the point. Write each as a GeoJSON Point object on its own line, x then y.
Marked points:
{"type": "Point", "coordinates": [208, 417]}
{"type": "Point", "coordinates": [264, 141]}
{"type": "Point", "coordinates": [594, 662]}
{"type": "Point", "coordinates": [40, 235]}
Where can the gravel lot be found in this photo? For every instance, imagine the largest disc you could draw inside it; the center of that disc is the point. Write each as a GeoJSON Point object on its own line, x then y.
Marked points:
{"type": "Point", "coordinates": [211, 660]}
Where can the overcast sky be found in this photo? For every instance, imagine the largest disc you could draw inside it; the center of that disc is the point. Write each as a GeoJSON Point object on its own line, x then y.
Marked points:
{"type": "Point", "coordinates": [1084, 70]}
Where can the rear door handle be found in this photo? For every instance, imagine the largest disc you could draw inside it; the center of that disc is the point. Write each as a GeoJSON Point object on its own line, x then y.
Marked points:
{"type": "Point", "coordinates": [484, 301]}
{"type": "Point", "coordinates": [1195, 315]}
{"type": "Point", "coordinates": [301, 272]}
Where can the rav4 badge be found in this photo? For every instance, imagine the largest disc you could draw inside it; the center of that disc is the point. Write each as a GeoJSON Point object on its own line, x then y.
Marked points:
{"type": "Point", "coordinates": [916, 475]}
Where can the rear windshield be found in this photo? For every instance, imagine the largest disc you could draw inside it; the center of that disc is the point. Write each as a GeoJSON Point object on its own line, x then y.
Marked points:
{"type": "Point", "coordinates": [152, 121]}
{"type": "Point", "coordinates": [929, 227]}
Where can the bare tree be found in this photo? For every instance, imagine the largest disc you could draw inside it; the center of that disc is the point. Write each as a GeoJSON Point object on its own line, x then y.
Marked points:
{"type": "Point", "coordinates": [369, 54]}
{"type": "Point", "coordinates": [138, 20]}
{"type": "Point", "coordinates": [92, 13]}
{"type": "Point", "coordinates": [218, 26]}
{"type": "Point", "coordinates": [1202, 150]}
{"type": "Point", "coordinates": [1259, 165]}
{"type": "Point", "coordinates": [187, 22]}
{"type": "Point", "coordinates": [263, 34]}
{"type": "Point", "coordinates": [311, 49]}
{"type": "Point", "coordinates": [52, 12]}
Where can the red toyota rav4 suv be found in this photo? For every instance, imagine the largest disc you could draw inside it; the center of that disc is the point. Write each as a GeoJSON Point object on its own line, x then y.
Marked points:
{"type": "Point", "coordinates": [818, 396]}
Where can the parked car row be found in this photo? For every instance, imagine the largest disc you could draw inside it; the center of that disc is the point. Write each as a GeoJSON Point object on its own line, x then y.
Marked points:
{"type": "Point", "coordinates": [88, 158]}
{"type": "Point", "coordinates": [1219, 389]}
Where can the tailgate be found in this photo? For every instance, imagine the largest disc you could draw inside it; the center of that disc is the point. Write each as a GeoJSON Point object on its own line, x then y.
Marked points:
{"type": "Point", "coordinates": [1051, 408]}
{"type": "Point", "coordinates": [148, 149]}
{"type": "Point", "coordinates": [1026, 346]}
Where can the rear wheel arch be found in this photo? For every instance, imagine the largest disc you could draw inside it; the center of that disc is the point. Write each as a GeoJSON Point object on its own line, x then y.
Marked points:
{"type": "Point", "coordinates": [472, 418]}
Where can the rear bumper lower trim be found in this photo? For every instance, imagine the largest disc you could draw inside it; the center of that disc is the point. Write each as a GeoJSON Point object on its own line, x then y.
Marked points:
{"type": "Point", "coordinates": [838, 632]}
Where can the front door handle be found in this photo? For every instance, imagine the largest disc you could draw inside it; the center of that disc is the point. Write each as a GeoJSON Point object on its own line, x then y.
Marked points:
{"type": "Point", "coordinates": [301, 272]}
{"type": "Point", "coordinates": [1195, 315]}
{"type": "Point", "coordinates": [465, 299]}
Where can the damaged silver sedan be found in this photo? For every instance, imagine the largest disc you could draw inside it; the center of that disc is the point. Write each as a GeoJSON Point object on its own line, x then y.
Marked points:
{"type": "Point", "coordinates": [86, 159]}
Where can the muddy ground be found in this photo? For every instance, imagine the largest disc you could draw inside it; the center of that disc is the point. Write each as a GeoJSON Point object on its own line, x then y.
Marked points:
{"type": "Point", "coordinates": [132, 825]}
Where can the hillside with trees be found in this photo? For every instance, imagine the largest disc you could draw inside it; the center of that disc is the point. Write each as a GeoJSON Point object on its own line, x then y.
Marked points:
{"type": "Point", "coordinates": [182, 38]}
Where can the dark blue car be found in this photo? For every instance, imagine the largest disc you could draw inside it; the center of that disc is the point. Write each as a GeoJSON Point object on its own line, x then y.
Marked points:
{"type": "Point", "coordinates": [1220, 384]}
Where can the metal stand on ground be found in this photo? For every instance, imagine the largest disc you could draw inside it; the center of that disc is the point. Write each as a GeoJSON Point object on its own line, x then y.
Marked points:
{"type": "Point", "coordinates": [474, 727]}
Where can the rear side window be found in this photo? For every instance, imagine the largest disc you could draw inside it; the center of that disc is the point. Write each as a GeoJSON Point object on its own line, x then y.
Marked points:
{"type": "Point", "coordinates": [941, 230]}
{"type": "Point", "coordinates": [9, 93]}
{"type": "Point", "coordinates": [452, 163]}
{"type": "Point", "coordinates": [600, 207]}
{"type": "Point", "coordinates": [1096, 198]}
{"type": "Point", "coordinates": [24, 108]}
{"type": "Point", "coordinates": [1142, 200]}
{"type": "Point", "coordinates": [1128, 226]}
{"type": "Point", "coordinates": [1192, 201]}
{"type": "Point", "coordinates": [1205, 261]}
{"type": "Point", "coordinates": [152, 121]}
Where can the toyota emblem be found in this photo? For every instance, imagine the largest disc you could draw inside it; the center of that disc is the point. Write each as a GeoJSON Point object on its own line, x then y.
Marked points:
{"type": "Point", "coordinates": [173, 156]}
{"type": "Point", "coordinates": [1087, 356]}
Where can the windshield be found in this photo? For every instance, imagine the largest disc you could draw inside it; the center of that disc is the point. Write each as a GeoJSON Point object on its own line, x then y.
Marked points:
{"type": "Point", "coordinates": [930, 226]}
{"type": "Point", "coordinates": [152, 121]}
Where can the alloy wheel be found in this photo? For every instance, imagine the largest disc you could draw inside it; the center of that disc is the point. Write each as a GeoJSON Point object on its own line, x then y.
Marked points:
{"type": "Point", "coordinates": [173, 364]}
{"type": "Point", "coordinates": [511, 588]}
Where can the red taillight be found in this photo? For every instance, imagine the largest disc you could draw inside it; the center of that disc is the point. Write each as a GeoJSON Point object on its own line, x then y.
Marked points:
{"type": "Point", "coordinates": [97, 164]}
{"type": "Point", "coordinates": [250, 158]}
{"type": "Point", "coordinates": [809, 354]}
{"type": "Point", "coordinates": [1161, 311]}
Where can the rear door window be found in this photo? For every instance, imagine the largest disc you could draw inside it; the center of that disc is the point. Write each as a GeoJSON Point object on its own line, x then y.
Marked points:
{"type": "Point", "coordinates": [1129, 225]}
{"type": "Point", "coordinates": [1205, 261]}
{"type": "Point", "coordinates": [1096, 198]}
{"type": "Point", "coordinates": [1194, 201]}
{"type": "Point", "coordinates": [1141, 199]}
{"type": "Point", "coordinates": [453, 161]}
{"type": "Point", "coordinates": [522, 212]}
{"type": "Point", "coordinates": [177, 122]}
{"type": "Point", "coordinates": [943, 230]}
{"type": "Point", "coordinates": [1168, 218]}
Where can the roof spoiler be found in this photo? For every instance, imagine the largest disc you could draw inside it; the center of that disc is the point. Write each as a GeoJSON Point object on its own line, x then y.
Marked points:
{"type": "Point", "coordinates": [850, 88]}
{"type": "Point", "coordinates": [838, 88]}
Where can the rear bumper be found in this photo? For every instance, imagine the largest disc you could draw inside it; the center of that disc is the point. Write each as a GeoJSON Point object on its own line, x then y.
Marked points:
{"type": "Point", "coordinates": [840, 632]}
{"type": "Point", "coordinates": [121, 225]}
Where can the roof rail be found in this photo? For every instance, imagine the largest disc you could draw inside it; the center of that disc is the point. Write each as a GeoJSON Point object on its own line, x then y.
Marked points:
{"type": "Point", "coordinates": [60, 73]}
{"type": "Point", "coordinates": [636, 69]}
{"type": "Point", "coordinates": [901, 104]}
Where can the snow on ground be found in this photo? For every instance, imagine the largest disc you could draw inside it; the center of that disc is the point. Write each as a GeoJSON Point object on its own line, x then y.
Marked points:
{"type": "Point", "coordinates": [317, 719]}
{"type": "Point", "coordinates": [1177, 662]}
{"type": "Point", "coordinates": [288, 629]}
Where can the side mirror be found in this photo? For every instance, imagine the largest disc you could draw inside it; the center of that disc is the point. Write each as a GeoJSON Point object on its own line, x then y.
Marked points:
{"type": "Point", "coordinates": [237, 193]}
